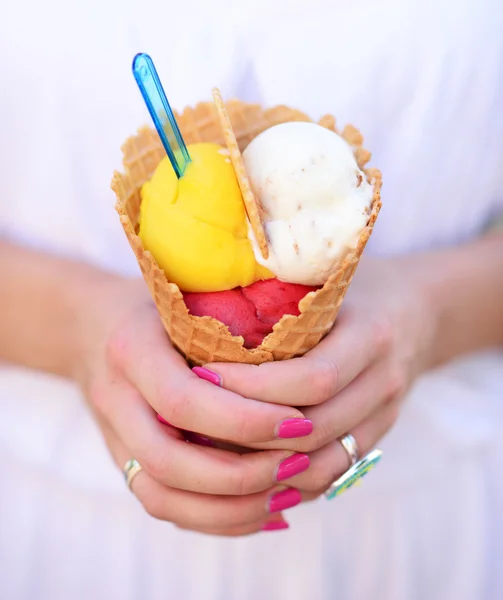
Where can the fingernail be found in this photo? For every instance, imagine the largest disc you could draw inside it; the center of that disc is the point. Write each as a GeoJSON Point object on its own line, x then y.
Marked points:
{"type": "Point", "coordinates": [162, 420]}
{"type": "Point", "coordinates": [294, 428]}
{"type": "Point", "coordinates": [293, 465]}
{"type": "Point", "coordinates": [200, 440]}
{"type": "Point", "coordinates": [208, 375]}
{"type": "Point", "coordinates": [285, 499]}
{"type": "Point", "coordinates": [275, 526]}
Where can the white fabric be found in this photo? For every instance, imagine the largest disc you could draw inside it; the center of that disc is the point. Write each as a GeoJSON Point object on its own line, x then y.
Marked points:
{"type": "Point", "coordinates": [424, 82]}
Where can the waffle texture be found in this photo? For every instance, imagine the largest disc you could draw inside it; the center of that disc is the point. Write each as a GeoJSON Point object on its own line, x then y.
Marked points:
{"type": "Point", "coordinates": [252, 206]}
{"type": "Point", "coordinates": [204, 339]}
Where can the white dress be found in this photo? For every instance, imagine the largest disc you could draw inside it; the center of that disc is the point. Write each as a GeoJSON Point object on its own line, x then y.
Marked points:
{"type": "Point", "coordinates": [424, 82]}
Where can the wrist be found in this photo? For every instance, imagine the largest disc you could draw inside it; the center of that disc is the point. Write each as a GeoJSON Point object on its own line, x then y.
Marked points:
{"type": "Point", "coordinates": [427, 281]}
{"type": "Point", "coordinates": [101, 302]}
{"type": "Point", "coordinates": [424, 308]}
{"type": "Point", "coordinates": [463, 290]}
{"type": "Point", "coordinates": [84, 294]}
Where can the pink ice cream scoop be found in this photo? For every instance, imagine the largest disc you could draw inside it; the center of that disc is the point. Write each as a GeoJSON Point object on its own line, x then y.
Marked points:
{"type": "Point", "coordinates": [250, 311]}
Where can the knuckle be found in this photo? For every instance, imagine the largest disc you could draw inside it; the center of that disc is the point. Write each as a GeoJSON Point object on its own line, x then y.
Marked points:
{"type": "Point", "coordinates": [242, 480]}
{"type": "Point", "coordinates": [245, 429]}
{"type": "Point", "coordinates": [322, 434]}
{"type": "Point", "coordinates": [323, 380]}
{"type": "Point", "coordinates": [238, 483]}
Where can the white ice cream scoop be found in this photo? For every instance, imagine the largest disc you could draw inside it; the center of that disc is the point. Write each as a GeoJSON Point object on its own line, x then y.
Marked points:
{"type": "Point", "coordinates": [316, 199]}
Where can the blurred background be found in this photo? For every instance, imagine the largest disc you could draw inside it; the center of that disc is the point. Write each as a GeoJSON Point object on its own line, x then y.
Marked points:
{"type": "Point", "coordinates": [423, 81]}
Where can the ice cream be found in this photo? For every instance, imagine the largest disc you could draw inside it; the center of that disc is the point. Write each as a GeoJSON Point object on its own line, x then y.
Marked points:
{"type": "Point", "coordinates": [251, 311]}
{"type": "Point", "coordinates": [195, 227]}
{"type": "Point", "coordinates": [315, 202]}
{"type": "Point", "coordinates": [201, 339]}
{"type": "Point", "coordinates": [315, 199]}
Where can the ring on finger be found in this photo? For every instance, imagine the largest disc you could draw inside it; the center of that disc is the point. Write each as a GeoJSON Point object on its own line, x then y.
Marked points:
{"type": "Point", "coordinates": [131, 470]}
{"type": "Point", "coordinates": [351, 447]}
{"type": "Point", "coordinates": [354, 474]}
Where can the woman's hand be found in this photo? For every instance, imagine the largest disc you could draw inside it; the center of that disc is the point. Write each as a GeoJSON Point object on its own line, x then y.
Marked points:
{"type": "Point", "coordinates": [400, 317]}
{"type": "Point", "coordinates": [354, 380]}
{"type": "Point", "coordinates": [130, 372]}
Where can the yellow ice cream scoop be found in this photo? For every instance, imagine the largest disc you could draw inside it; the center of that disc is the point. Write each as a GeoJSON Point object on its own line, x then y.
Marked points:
{"type": "Point", "coordinates": [196, 227]}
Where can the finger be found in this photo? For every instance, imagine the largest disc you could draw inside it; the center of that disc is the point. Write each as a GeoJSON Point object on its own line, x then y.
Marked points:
{"type": "Point", "coordinates": [331, 461]}
{"type": "Point", "coordinates": [273, 523]}
{"type": "Point", "coordinates": [343, 412]}
{"type": "Point", "coordinates": [350, 348]}
{"type": "Point", "coordinates": [204, 513]}
{"type": "Point", "coordinates": [210, 512]}
{"type": "Point", "coordinates": [242, 531]}
{"type": "Point", "coordinates": [171, 461]}
{"type": "Point", "coordinates": [148, 360]}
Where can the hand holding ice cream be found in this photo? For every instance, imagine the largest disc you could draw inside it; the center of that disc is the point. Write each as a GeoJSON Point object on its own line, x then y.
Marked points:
{"type": "Point", "coordinates": [299, 316]}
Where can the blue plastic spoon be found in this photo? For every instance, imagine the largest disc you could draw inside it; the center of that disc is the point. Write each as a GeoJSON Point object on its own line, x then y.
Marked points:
{"type": "Point", "coordinates": [158, 106]}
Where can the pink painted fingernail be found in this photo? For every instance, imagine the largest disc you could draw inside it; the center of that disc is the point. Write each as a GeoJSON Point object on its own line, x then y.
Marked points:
{"type": "Point", "coordinates": [162, 420]}
{"type": "Point", "coordinates": [293, 465]}
{"type": "Point", "coordinates": [208, 375]}
{"type": "Point", "coordinates": [285, 499]}
{"type": "Point", "coordinates": [200, 440]}
{"type": "Point", "coordinates": [275, 526]}
{"type": "Point", "coordinates": [294, 428]}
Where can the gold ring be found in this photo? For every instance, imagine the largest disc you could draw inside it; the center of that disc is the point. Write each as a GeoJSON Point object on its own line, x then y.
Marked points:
{"type": "Point", "coordinates": [131, 470]}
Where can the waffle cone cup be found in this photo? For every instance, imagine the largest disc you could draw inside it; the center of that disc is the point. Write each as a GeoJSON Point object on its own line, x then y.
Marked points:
{"type": "Point", "coordinates": [204, 339]}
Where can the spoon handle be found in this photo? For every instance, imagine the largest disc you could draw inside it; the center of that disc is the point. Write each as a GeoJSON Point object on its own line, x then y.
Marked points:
{"type": "Point", "coordinates": [158, 106]}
